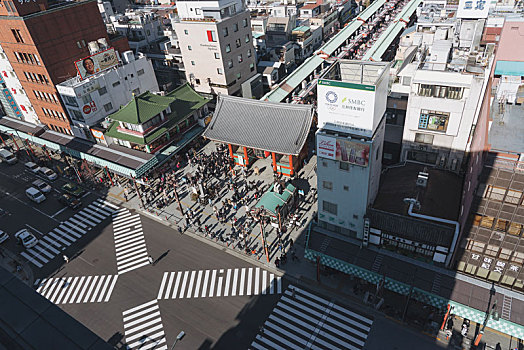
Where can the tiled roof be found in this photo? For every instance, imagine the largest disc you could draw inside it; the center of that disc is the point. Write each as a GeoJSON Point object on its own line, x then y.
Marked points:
{"type": "Point", "coordinates": [263, 125]}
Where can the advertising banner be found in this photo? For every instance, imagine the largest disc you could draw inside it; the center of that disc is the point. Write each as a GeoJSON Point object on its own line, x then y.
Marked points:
{"type": "Point", "coordinates": [473, 9]}
{"type": "Point", "coordinates": [96, 63]}
{"type": "Point", "coordinates": [343, 150]}
{"type": "Point", "coordinates": [347, 105]}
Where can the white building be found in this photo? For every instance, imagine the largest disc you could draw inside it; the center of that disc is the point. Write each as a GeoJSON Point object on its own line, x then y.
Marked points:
{"type": "Point", "coordinates": [12, 94]}
{"type": "Point", "coordinates": [217, 45]}
{"type": "Point", "coordinates": [91, 100]}
{"type": "Point", "coordinates": [351, 106]}
{"type": "Point", "coordinates": [141, 28]}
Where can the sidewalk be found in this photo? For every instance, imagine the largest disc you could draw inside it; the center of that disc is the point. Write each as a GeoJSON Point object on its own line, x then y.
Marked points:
{"type": "Point", "coordinates": [17, 266]}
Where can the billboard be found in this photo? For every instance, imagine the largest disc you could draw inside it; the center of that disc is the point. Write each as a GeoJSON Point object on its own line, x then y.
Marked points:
{"type": "Point", "coordinates": [344, 150]}
{"type": "Point", "coordinates": [347, 105]}
{"type": "Point", "coordinates": [96, 63]}
{"type": "Point", "coordinates": [473, 9]}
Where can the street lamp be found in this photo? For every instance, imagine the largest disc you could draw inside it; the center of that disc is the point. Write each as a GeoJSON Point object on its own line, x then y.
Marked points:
{"type": "Point", "coordinates": [178, 337]}
{"type": "Point", "coordinates": [489, 312]}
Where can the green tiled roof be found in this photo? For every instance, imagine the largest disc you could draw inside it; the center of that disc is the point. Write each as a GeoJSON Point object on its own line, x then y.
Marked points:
{"type": "Point", "coordinates": [183, 100]}
{"type": "Point", "coordinates": [271, 200]}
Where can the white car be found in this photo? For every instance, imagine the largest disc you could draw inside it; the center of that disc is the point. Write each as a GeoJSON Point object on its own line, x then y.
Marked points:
{"type": "Point", "coordinates": [42, 186]}
{"type": "Point", "coordinates": [32, 166]}
{"type": "Point", "coordinates": [48, 173]}
{"type": "Point", "coordinates": [35, 195]}
{"type": "Point", "coordinates": [3, 236]}
{"type": "Point", "coordinates": [26, 238]}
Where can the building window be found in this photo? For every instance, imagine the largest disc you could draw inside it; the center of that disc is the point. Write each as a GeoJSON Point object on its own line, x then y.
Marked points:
{"type": "Point", "coordinates": [186, 32]}
{"type": "Point", "coordinates": [329, 207]}
{"type": "Point", "coordinates": [108, 107]}
{"type": "Point", "coordinates": [230, 64]}
{"type": "Point", "coordinates": [433, 120]}
{"type": "Point", "coordinates": [225, 32]}
{"type": "Point", "coordinates": [327, 185]}
{"type": "Point", "coordinates": [140, 72]}
{"type": "Point", "coordinates": [238, 43]}
{"type": "Point", "coordinates": [17, 35]}
{"type": "Point", "coordinates": [217, 55]}
{"type": "Point", "coordinates": [344, 166]}
{"type": "Point", "coordinates": [495, 193]}
{"type": "Point", "coordinates": [240, 59]}
{"type": "Point", "coordinates": [249, 53]}
{"type": "Point", "coordinates": [483, 221]}
{"type": "Point", "coordinates": [86, 99]}
{"type": "Point", "coordinates": [228, 48]}
{"type": "Point", "coordinates": [102, 91]}
{"type": "Point", "coordinates": [346, 188]}
{"type": "Point", "coordinates": [220, 71]}
{"type": "Point", "coordinates": [189, 47]}
{"type": "Point", "coordinates": [439, 91]}
{"type": "Point", "coordinates": [247, 38]}
{"type": "Point", "coordinates": [424, 138]}
{"type": "Point", "coordinates": [192, 63]}
{"type": "Point", "coordinates": [239, 75]}
{"type": "Point", "coordinates": [235, 27]}
{"type": "Point", "coordinates": [76, 115]}
{"type": "Point", "coordinates": [69, 100]}
{"type": "Point", "coordinates": [197, 81]}
{"type": "Point", "coordinates": [251, 66]}
{"type": "Point", "coordinates": [244, 22]}
{"type": "Point", "coordinates": [513, 197]}
{"type": "Point", "coordinates": [211, 36]}
{"type": "Point", "coordinates": [501, 225]}
{"type": "Point", "coordinates": [515, 229]}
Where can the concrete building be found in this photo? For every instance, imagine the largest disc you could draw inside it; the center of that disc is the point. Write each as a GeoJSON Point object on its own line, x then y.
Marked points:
{"type": "Point", "coordinates": [351, 105]}
{"type": "Point", "coordinates": [217, 45]}
{"type": "Point", "coordinates": [91, 100]}
{"type": "Point", "coordinates": [42, 49]}
{"type": "Point", "coordinates": [307, 40]}
{"type": "Point", "coordinates": [142, 28]}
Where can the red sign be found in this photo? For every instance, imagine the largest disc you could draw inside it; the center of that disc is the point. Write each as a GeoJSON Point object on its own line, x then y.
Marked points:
{"type": "Point", "coordinates": [91, 107]}
{"type": "Point", "coordinates": [86, 109]}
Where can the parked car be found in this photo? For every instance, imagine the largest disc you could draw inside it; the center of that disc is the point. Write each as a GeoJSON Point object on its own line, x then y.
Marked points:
{"type": "Point", "coordinates": [73, 189]}
{"type": "Point", "coordinates": [42, 186]}
{"type": "Point", "coordinates": [70, 201]}
{"type": "Point", "coordinates": [7, 156]}
{"type": "Point", "coordinates": [3, 236]}
{"type": "Point", "coordinates": [33, 167]}
{"type": "Point", "coordinates": [25, 237]}
{"type": "Point", "coordinates": [48, 173]}
{"type": "Point", "coordinates": [35, 195]}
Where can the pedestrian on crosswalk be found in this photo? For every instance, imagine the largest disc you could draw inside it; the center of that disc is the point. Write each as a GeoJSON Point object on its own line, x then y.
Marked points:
{"type": "Point", "coordinates": [150, 259]}
{"type": "Point", "coordinates": [66, 259]}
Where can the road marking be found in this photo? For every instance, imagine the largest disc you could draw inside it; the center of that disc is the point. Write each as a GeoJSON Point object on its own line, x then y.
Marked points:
{"type": "Point", "coordinates": [110, 291]}
{"type": "Point", "coordinates": [197, 287]}
{"type": "Point", "coordinates": [212, 285]}
{"type": "Point", "coordinates": [264, 279]}
{"type": "Point", "coordinates": [51, 241]}
{"type": "Point", "coordinates": [204, 286]}
{"type": "Point", "coordinates": [34, 229]}
{"type": "Point", "coordinates": [72, 300]}
{"type": "Point", "coordinates": [169, 284]}
{"type": "Point", "coordinates": [102, 293]}
{"type": "Point", "coordinates": [249, 279]}
{"type": "Point", "coordinates": [95, 293]}
{"type": "Point", "coordinates": [70, 289]}
{"type": "Point", "coordinates": [90, 289]}
{"type": "Point", "coordinates": [74, 220]}
{"type": "Point", "coordinates": [257, 276]}
{"type": "Point", "coordinates": [226, 288]}
{"type": "Point", "coordinates": [191, 281]}
{"type": "Point", "coordinates": [175, 290]}
{"type": "Point", "coordinates": [146, 329]}
{"type": "Point", "coordinates": [30, 206]}
{"type": "Point", "coordinates": [58, 212]}
{"type": "Point", "coordinates": [65, 287]}
{"type": "Point", "coordinates": [235, 280]}
{"type": "Point", "coordinates": [242, 280]}
{"type": "Point", "coordinates": [86, 285]}
{"type": "Point", "coordinates": [183, 287]}
{"type": "Point", "coordinates": [219, 286]}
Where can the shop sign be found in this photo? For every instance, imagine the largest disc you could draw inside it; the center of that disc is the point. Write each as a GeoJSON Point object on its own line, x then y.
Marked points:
{"type": "Point", "coordinates": [90, 107]}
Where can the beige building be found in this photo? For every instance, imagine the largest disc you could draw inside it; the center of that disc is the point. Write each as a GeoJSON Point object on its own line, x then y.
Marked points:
{"type": "Point", "coordinates": [216, 44]}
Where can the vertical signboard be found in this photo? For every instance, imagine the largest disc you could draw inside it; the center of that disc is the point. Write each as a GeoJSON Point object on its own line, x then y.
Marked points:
{"type": "Point", "coordinates": [347, 105]}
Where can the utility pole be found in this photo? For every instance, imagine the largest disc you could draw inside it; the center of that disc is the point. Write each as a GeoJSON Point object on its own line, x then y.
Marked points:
{"type": "Point", "coordinates": [46, 153]}
{"type": "Point", "coordinates": [5, 145]}
{"type": "Point", "coordinates": [109, 176]}
{"type": "Point", "coordinates": [264, 238]}
{"type": "Point", "coordinates": [138, 192]}
{"type": "Point", "coordinates": [179, 203]}
{"type": "Point", "coordinates": [16, 144]}
{"type": "Point", "coordinates": [489, 313]}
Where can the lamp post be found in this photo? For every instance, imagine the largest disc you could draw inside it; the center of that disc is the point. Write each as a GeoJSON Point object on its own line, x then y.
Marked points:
{"type": "Point", "coordinates": [263, 236]}
{"type": "Point", "coordinates": [489, 313]}
{"type": "Point", "coordinates": [178, 337]}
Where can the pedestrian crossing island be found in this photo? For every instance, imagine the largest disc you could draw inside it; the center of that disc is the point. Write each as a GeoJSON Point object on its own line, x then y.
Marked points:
{"type": "Point", "coordinates": [219, 283]}
{"type": "Point", "coordinates": [303, 320]}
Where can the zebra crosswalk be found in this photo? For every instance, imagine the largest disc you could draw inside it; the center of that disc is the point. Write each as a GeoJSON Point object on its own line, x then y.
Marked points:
{"type": "Point", "coordinates": [302, 320]}
{"type": "Point", "coordinates": [68, 232]}
{"type": "Point", "coordinates": [218, 283]}
{"type": "Point", "coordinates": [80, 289]}
{"type": "Point", "coordinates": [143, 328]}
{"type": "Point", "coordinates": [130, 243]}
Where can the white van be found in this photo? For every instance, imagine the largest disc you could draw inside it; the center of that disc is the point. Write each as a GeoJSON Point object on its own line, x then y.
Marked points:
{"type": "Point", "coordinates": [7, 156]}
{"type": "Point", "coordinates": [35, 195]}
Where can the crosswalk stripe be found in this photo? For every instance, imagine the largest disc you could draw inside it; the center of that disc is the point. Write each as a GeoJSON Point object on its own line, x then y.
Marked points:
{"type": "Point", "coordinates": [144, 318]}
{"type": "Point", "coordinates": [110, 290]}
{"type": "Point", "coordinates": [212, 285]}
{"type": "Point", "coordinates": [96, 211]}
{"type": "Point", "coordinates": [154, 344]}
{"type": "Point", "coordinates": [72, 229]}
{"type": "Point", "coordinates": [257, 277]}
{"type": "Point", "coordinates": [65, 235]}
{"type": "Point", "coordinates": [145, 263]}
{"type": "Point", "coordinates": [242, 280]}
{"type": "Point", "coordinates": [83, 290]}
{"type": "Point", "coordinates": [204, 286]}
{"type": "Point", "coordinates": [97, 289]}
{"type": "Point", "coordinates": [139, 237]}
{"type": "Point", "coordinates": [132, 263]}
{"type": "Point", "coordinates": [60, 284]}
{"type": "Point", "coordinates": [171, 277]}
{"type": "Point", "coordinates": [41, 286]}
{"type": "Point", "coordinates": [235, 280]}
{"type": "Point", "coordinates": [142, 326]}
{"type": "Point", "coordinates": [197, 286]}
{"type": "Point", "coordinates": [50, 285]}
{"type": "Point", "coordinates": [90, 289]}
{"type": "Point", "coordinates": [129, 248]}
{"type": "Point", "coordinates": [120, 211]}
{"type": "Point", "coordinates": [183, 287]}
{"type": "Point", "coordinates": [142, 306]}
{"type": "Point", "coordinates": [76, 221]}
{"type": "Point", "coordinates": [103, 291]}
{"type": "Point", "coordinates": [191, 281]}
{"type": "Point", "coordinates": [86, 218]}
{"type": "Point", "coordinates": [126, 247]}
{"type": "Point", "coordinates": [55, 243]}
{"type": "Point", "coordinates": [72, 300]}
{"type": "Point", "coordinates": [143, 311]}
{"type": "Point", "coordinates": [58, 238]}
{"type": "Point", "coordinates": [137, 224]}
{"type": "Point", "coordinates": [264, 280]}
{"type": "Point", "coordinates": [30, 259]}
{"type": "Point", "coordinates": [130, 252]}
{"type": "Point", "coordinates": [219, 285]}
{"type": "Point", "coordinates": [109, 204]}
{"type": "Point", "coordinates": [279, 285]}
{"type": "Point", "coordinates": [136, 257]}
{"type": "Point", "coordinates": [249, 279]}
{"type": "Point", "coordinates": [89, 210]}
{"type": "Point", "coordinates": [141, 334]}
{"type": "Point", "coordinates": [38, 256]}
{"type": "Point", "coordinates": [70, 289]}
{"type": "Point", "coordinates": [103, 208]}
{"type": "Point", "coordinates": [124, 236]}
{"type": "Point", "coordinates": [226, 288]}
{"type": "Point", "coordinates": [175, 290]}
{"type": "Point", "coordinates": [43, 251]}
{"type": "Point", "coordinates": [122, 217]}
{"type": "Point", "coordinates": [126, 222]}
